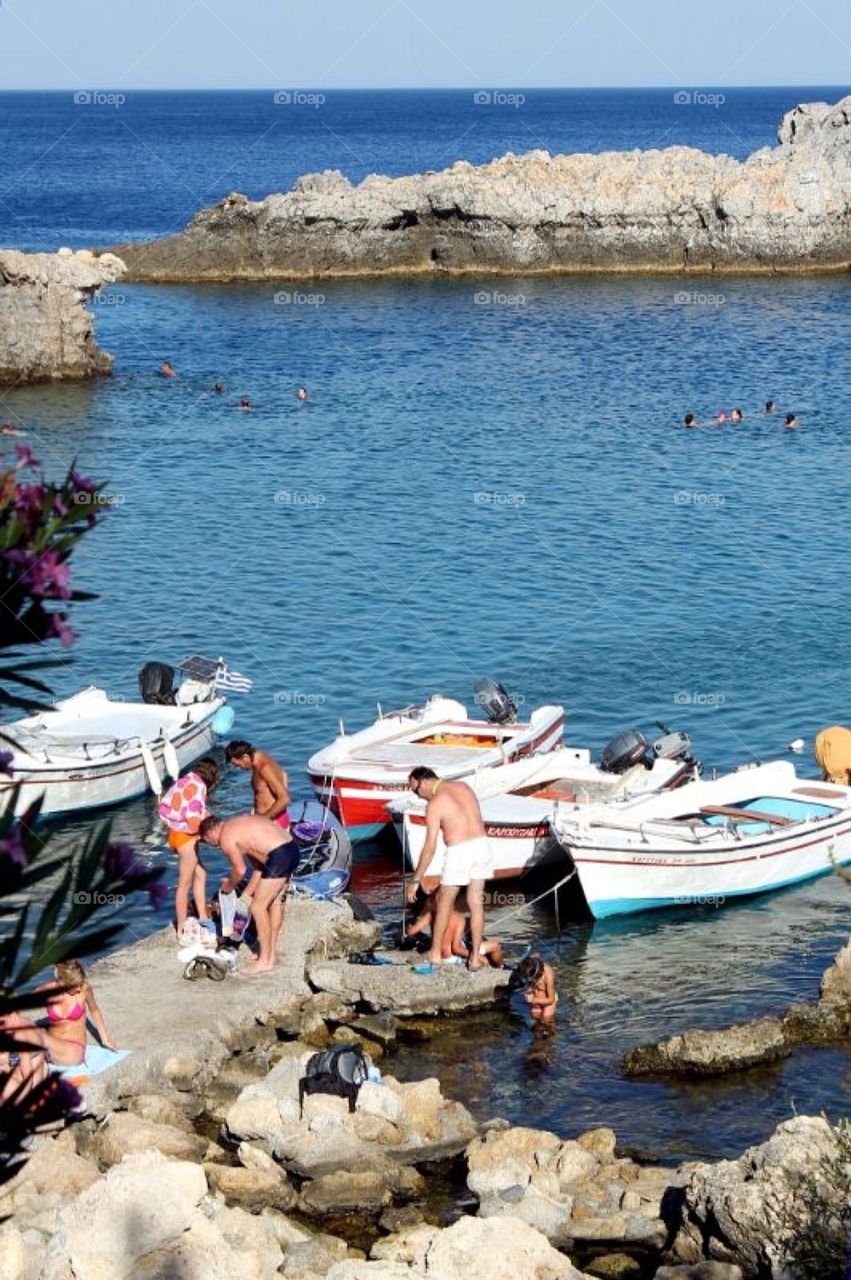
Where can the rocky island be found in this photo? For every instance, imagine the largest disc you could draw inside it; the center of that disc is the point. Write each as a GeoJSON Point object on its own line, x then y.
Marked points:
{"type": "Point", "coordinates": [783, 209]}
{"type": "Point", "coordinates": [46, 333]}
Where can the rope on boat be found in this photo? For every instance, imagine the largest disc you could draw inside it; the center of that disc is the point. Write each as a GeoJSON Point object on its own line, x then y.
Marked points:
{"type": "Point", "coordinates": [553, 889]}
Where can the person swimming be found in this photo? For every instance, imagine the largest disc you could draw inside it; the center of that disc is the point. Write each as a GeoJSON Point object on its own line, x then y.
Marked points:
{"type": "Point", "coordinates": [302, 394]}
{"type": "Point", "coordinates": [218, 388]}
{"type": "Point", "coordinates": [736, 415]}
{"type": "Point", "coordinates": [769, 406]}
{"type": "Point", "coordinates": [791, 422]}
{"type": "Point", "coordinates": [167, 369]}
{"type": "Point", "coordinates": [721, 418]}
{"type": "Point", "coordinates": [690, 420]}
{"type": "Point", "coordinates": [245, 404]}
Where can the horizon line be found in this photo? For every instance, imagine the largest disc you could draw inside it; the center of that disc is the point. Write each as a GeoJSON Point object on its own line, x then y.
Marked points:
{"type": "Point", "coordinates": [463, 88]}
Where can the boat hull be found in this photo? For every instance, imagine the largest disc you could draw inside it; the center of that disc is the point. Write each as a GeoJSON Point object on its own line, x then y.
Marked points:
{"type": "Point", "coordinates": [98, 785]}
{"type": "Point", "coordinates": [359, 795]}
{"type": "Point", "coordinates": [617, 881]}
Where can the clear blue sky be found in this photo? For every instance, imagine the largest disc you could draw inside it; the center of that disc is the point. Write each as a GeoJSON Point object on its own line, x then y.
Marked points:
{"type": "Point", "coordinates": [101, 44]}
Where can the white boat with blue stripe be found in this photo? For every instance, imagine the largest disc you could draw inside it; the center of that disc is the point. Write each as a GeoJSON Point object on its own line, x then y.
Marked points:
{"type": "Point", "coordinates": [747, 832]}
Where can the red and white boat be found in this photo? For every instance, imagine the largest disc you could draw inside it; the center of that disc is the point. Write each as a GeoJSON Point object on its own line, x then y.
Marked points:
{"type": "Point", "coordinates": [518, 800]}
{"type": "Point", "coordinates": [359, 773]}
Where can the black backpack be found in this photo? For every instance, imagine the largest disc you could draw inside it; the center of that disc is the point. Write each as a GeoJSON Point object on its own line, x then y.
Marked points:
{"type": "Point", "coordinates": [340, 1071]}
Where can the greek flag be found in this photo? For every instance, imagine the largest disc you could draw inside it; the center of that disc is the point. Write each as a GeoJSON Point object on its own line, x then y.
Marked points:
{"type": "Point", "coordinates": [228, 681]}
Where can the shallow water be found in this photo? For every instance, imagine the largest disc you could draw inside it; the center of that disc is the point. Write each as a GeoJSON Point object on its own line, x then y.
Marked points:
{"type": "Point", "coordinates": [496, 486]}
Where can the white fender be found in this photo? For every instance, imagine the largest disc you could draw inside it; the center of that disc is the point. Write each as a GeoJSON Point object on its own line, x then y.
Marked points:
{"type": "Point", "coordinates": [154, 779]}
{"type": "Point", "coordinates": [170, 758]}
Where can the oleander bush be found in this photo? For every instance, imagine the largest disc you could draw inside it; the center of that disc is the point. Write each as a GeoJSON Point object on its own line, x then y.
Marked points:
{"type": "Point", "coordinates": [48, 904]}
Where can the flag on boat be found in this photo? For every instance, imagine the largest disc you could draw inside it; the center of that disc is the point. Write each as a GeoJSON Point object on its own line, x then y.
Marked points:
{"type": "Point", "coordinates": [229, 681]}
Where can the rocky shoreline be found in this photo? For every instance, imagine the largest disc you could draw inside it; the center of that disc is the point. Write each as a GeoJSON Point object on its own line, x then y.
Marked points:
{"type": "Point", "coordinates": [195, 1159]}
{"type": "Point", "coordinates": [46, 333]}
{"type": "Point", "coordinates": [784, 209]}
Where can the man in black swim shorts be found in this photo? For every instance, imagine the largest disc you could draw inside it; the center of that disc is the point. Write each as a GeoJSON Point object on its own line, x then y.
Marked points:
{"type": "Point", "coordinates": [274, 855]}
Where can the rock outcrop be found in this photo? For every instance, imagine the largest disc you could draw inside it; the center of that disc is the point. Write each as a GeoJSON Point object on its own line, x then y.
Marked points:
{"type": "Point", "coordinates": [758, 1042]}
{"type": "Point", "coordinates": [741, 1211]}
{"type": "Point", "coordinates": [786, 208]}
{"type": "Point", "coordinates": [46, 333]}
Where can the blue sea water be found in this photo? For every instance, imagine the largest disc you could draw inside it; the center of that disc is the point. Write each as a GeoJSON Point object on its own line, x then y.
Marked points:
{"type": "Point", "coordinates": [489, 477]}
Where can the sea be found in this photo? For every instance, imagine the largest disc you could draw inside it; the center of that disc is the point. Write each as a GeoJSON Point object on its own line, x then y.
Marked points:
{"type": "Point", "coordinates": [489, 478]}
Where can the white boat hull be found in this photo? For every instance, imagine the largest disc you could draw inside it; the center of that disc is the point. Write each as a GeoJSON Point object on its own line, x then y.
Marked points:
{"type": "Point", "coordinates": [358, 775]}
{"type": "Point", "coordinates": [623, 871]}
{"type": "Point", "coordinates": [518, 825]}
{"type": "Point", "coordinates": [56, 770]}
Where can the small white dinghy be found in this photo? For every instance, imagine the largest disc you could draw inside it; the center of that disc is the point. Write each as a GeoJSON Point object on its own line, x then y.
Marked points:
{"type": "Point", "coordinates": [518, 800]}
{"type": "Point", "coordinates": [90, 750]}
{"type": "Point", "coordinates": [746, 832]}
{"type": "Point", "coordinates": [357, 774]}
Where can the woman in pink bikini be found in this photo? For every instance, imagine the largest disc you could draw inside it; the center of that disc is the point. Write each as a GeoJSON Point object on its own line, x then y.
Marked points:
{"type": "Point", "coordinates": [70, 1002]}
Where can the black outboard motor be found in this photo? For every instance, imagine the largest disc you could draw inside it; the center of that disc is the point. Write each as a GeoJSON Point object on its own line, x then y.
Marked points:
{"type": "Point", "coordinates": [495, 701]}
{"type": "Point", "coordinates": [625, 751]}
{"type": "Point", "coordinates": [156, 684]}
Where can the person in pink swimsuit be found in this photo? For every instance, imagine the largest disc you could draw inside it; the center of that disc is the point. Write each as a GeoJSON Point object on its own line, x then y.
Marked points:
{"type": "Point", "coordinates": [269, 781]}
{"type": "Point", "coordinates": [70, 1002]}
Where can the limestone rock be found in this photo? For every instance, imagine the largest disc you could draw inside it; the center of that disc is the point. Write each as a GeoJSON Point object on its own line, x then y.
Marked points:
{"type": "Point", "coordinates": [251, 1189]}
{"type": "Point", "coordinates": [675, 210]}
{"type": "Point", "coordinates": [159, 1109]}
{"type": "Point", "coordinates": [20, 1259]}
{"type": "Point", "coordinates": [125, 1133]}
{"type": "Point", "coordinates": [702, 1053]}
{"type": "Point", "coordinates": [836, 983]}
{"type": "Point", "coordinates": [734, 1211]}
{"type": "Point", "coordinates": [141, 1205]}
{"type": "Point", "coordinates": [701, 1271]}
{"type": "Point", "coordinates": [501, 1249]}
{"type": "Point", "coordinates": [46, 333]}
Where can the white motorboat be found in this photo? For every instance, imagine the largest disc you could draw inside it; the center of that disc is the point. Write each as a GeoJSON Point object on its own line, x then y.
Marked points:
{"type": "Point", "coordinates": [518, 800]}
{"type": "Point", "coordinates": [758, 829]}
{"type": "Point", "coordinates": [91, 750]}
{"type": "Point", "coordinates": [358, 774]}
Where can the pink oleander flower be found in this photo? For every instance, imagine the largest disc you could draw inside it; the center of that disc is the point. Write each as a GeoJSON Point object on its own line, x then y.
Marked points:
{"type": "Point", "coordinates": [59, 627]}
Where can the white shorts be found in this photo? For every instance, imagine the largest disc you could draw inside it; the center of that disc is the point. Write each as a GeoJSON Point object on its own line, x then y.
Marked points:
{"type": "Point", "coordinates": [470, 860]}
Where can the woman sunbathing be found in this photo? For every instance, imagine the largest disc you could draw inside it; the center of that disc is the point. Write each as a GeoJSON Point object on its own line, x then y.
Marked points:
{"type": "Point", "coordinates": [70, 1002]}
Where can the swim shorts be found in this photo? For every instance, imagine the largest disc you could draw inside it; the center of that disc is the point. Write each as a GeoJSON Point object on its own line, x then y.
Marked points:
{"type": "Point", "coordinates": [470, 860]}
{"type": "Point", "coordinates": [281, 862]}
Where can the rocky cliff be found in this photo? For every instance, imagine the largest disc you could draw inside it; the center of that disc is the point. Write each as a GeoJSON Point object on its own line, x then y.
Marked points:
{"type": "Point", "coordinates": [786, 208]}
{"type": "Point", "coordinates": [46, 333]}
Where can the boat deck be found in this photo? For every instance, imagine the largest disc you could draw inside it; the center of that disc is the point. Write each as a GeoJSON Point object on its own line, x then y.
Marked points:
{"type": "Point", "coordinates": [435, 755]}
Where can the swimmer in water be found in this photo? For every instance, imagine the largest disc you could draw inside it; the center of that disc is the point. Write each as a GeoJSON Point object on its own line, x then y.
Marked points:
{"type": "Point", "coordinates": [736, 415]}
{"type": "Point", "coordinates": [769, 406]}
{"type": "Point", "coordinates": [218, 388]}
{"type": "Point", "coordinates": [302, 394]}
{"type": "Point", "coordinates": [9, 429]}
{"type": "Point", "coordinates": [245, 404]}
{"type": "Point", "coordinates": [690, 420]}
{"type": "Point", "coordinates": [721, 418]}
{"type": "Point", "coordinates": [167, 369]}
{"type": "Point", "coordinates": [791, 422]}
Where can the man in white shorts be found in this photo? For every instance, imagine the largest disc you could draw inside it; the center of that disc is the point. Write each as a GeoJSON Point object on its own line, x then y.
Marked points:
{"type": "Point", "coordinates": [452, 810]}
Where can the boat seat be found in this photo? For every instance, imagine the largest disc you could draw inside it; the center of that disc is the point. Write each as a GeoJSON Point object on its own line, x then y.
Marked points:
{"type": "Point", "coordinates": [820, 793]}
{"type": "Point", "coordinates": [745, 815]}
{"type": "Point", "coordinates": [556, 791]}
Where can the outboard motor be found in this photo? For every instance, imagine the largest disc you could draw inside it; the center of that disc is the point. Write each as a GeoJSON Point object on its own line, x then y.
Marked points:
{"type": "Point", "coordinates": [156, 684]}
{"type": "Point", "coordinates": [625, 751]}
{"type": "Point", "coordinates": [673, 745]}
{"type": "Point", "coordinates": [495, 701]}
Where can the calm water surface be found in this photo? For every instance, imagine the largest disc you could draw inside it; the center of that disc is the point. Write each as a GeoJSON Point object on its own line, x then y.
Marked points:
{"type": "Point", "coordinates": [479, 484]}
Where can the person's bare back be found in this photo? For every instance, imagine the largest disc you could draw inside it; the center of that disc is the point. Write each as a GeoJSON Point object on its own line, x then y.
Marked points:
{"type": "Point", "coordinates": [251, 836]}
{"type": "Point", "coordinates": [457, 808]}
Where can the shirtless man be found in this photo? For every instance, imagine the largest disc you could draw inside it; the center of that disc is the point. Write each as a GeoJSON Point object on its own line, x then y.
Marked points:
{"type": "Point", "coordinates": [274, 855]}
{"type": "Point", "coordinates": [452, 810]}
{"type": "Point", "coordinates": [268, 780]}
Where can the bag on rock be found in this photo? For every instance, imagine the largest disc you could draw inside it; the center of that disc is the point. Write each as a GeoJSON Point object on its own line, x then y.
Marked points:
{"type": "Point", "coordinates": [340, 1071]}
